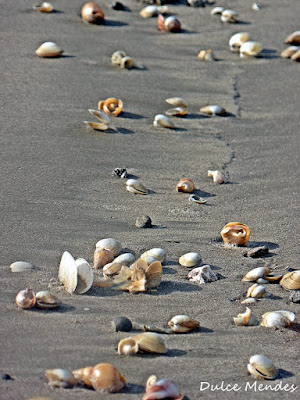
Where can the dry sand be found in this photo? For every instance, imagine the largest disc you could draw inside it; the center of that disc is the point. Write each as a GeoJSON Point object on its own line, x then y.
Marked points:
{"type": "Point", "coordinates": [58, 192]}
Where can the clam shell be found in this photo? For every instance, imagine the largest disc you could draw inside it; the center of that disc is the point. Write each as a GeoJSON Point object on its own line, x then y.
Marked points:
{"type": "Point", "coordinates": [177, 111]}
{"type": "Point", "coordinates": [185, 185]}
{"type": "Point", "coordinates": [191, 259]}
{"type": "Point", "coordinates": [83, 375]}
{"type": "Point", "coordinates": [154, 275]}
{"type": "Point", "coordinates": [218, 176]}
{"type": "Point", "coordinates": [177, 101]}
{"type": "Point", "coordinates": [102, 257]}
{"type": "Point", "coordinates": [49, 49]}
{"type": "Point", "coordinates": [236, 41]}
{"type": "Point", "coordinates": [249, 300]}
{"type": "Point", "coordinates": [250, 49]}
{"type": "Point", "coordinates": [111, 106]}
{"type": "Point", "coordinates": [67, 273]}
{"type": "Point", "coordinates": [85, 276]}
{"type": "Point", "coordinates": [107, 378]}
{"type": "Point", "coordinates": [25, 299]}
{"type": "Point", "coordinates": [127, 63]}
{"type": "Point", "coordinates": [296, 56]}
{"type": "Point", "coordinates": [235, 233]}
{"type": "Point", "coordinates": [261, 367]}
{"type": "Point", "coordinates": [47, 300]}
{"type": "Point", "coordinates": [125, 259]}
{"type": "Point", "coordinates": [196, 199]}
{"type": "Point", "coordinates": [21, 266]}
{"type": "Point", "coordinates": [101, 116]}
{"type": "Point", "coordinates": [111, 269]}
{"type": "Point", "coordinates": [183, 324]}
{"type": "Point", "coordinates": [153, 11]}
{"type": "Point", "coordinates": [291, 280]}
{"type": "Point", "coordinates": [59, 377]}
{"type": "Point", "coordinates": [289, 51]}
{"type": "Point", "coordinates": [229, 16]}
{"type": "Point", "coordinates": [117, 56]}
{"type": "Point", "coordinates": [110, 244]}
{"type": "Point", "coordinates": [257, 291]}
{"type": "Point", "coordinates": [246, 319]}
{"type": "Point", "coordinates": [213, 110]}
{"type": "Point", "coordinates": [136, 187]}
{"type": "Point", "coordinates": [97, 126]}
{"type": "Point", "coordinates": [157, 252]}
{"type": "Point", "coordinates": [202, 275]}
{"type": "Point", "coordinates": [277, 319]}
{"type": "Point", "coordinates": [161, 389]}
{"type": "Point", "coordinates": [149, 259]}
{"type": "Point", "coordinates": [43, 7]}
{"type": "Point", "coordinates": [293, 38]}
{"type": "Point", "coordinates": [217, 10]}
{"type": "Point", "coordinates": [255, 274]}
{"type": "Point", "coordinates": [92, 13]}
{"type": "Point", "coordinates": [206, 55]}
{"type": "Point", "coordinates": [150, 342]}
{"type": "Point", "coordinates": [163, 120]}
{"type": "Point", "coordinates": [128, 346]}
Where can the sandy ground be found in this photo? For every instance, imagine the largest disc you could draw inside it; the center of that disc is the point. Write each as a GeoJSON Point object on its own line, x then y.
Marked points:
{"type": "Point", "coordinates": [58, 192]}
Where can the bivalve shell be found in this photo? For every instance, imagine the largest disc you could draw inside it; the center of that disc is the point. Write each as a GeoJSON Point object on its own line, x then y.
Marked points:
{"type": "Point", "coordinates": [76, 276]}
{"type": "Point", "coordinates": [161, 389]}
{"type": "Point", "coordinates": [136, 187]}
{"type": "Point", "coordinates": [236, 41]}
{"type": "Point", "coordinates": [255, 274]}
{"type": "Point", "coordinates": [183, 324]}
{"type": "Point", "coordinates": [153, 11]}
{"type": "Point", "coordinates": [110, 244]}
{"type": "Point", "coordinates": [206, 55]}
{"type": "Point", "coordinates": [257, 291]}
{"type": "Point", "coordinates": [177, 111]}
{"type": "Point", "coordinates": [228, 15]}
{"type": "Point", "coordinates": [217, 10]}
{"type": "Point", "coordinates": [213, 110]}
{"type": "Point", "coordinates": [49, 49]}
{"type": "Point", "coordinates": [235, 233]}
{"type": "Point", "coordinates": [158, 253]}
{"type": "Point", "coordinates": [261, 367]}
{"type": "Point", "coordinates": [177, 101]}
{"type": "Point", "coordinates": [291, 280]}
{"type": "Point", "coordinates": [289, 51]}
{"type": "Point", "coordinates": [250, 49]}
{"type": "Point", "coordinates": [92, 13]}
{"type": "Point", "coordinates": [164, 121]}
{"type": "Point", "coordinates": [85, 276]}
{"type": "Point", "coordinates": [293, 38]}
{"type": "Point", "coordinates": [128, 346]}
{"type": "Point", "coordinates": [191, 259]}
{"type": "Point", "coordinates": [102, 257]}
{"type": "Point", "coordinates": [47, 300]}
{"type": "Point", "coordinates": [45, 6]}
{"type": "Point", "coordinates": [246, 318]}
{"type": "Point", "coordinates": [277, 319]}
{"type": "Point", "coordinates": [296, 56]}
{"type": "Point", "coordinates": [154, 275]}
{"type": "Point", "coordinates": [21, 266]}
{"type": "Point", "coordinates": [150, 342]}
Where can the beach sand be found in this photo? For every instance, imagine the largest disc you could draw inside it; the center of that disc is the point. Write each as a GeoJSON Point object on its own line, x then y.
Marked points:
{"type": "Point", "coordinates": [58, 192]}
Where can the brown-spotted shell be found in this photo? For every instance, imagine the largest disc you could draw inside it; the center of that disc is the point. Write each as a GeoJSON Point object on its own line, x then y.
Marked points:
{"type": "Point", "coordinates": [111, 106]}
{"type": "Point", "coordinates": [235, 233]}
{"type": "Point", "coordinates": [107, 378]}
{"type": "Point", "coordinates": [83, 375]}
{"type": "Point", "coordinates": [291, 280]}
{"type": "Point", "coordinates": [91, 12]}
{"type": "Point", "coordinates": [185, 185]}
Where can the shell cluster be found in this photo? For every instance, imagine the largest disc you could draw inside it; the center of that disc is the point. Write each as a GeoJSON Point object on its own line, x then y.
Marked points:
{"type": "Point", "coordinates": [226, 14]}
{"type": "Point", "coordinates": [180, 107]}
{"type": "Point", "coordinates": [240, 42]}
{"type": "Point", "coordinates": [120, 59]}
{"type": "Point", "coordinates": [27, 299]}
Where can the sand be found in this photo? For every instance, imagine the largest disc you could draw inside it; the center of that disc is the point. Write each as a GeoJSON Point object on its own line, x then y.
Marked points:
{"type": "Point", "coordinates": [58, 192]}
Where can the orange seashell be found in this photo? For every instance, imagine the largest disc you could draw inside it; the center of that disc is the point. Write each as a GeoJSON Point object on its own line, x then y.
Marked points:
{"type": "Point", "coordinates": [235, 233]}
{"type": "Point", "coordinates": [102, 257]}
{"type": "Point", "coordinates": [185, 185]}
{"type": "Point", "coordinates": [111, 106]}
{"type": "Point", "coordinates": [91, 12]}
{"type": "Point", "coordinates": [83, 375]}
{"type": "Point", "coordinates": [107, 378]}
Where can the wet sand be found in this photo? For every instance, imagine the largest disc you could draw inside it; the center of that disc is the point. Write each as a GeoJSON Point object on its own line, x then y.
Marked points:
{"type": "Point", "coordinates": [58, 192]}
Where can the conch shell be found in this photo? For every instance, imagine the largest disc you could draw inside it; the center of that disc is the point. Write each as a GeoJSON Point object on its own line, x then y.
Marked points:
{"type": "Point", "coordinates": [183, 324]}
{"type": "Point", "coordinates": [185, 185]}
{"type": "Point", "coordinates": [163, 120]}
{"type": "Point", "coordinates": [261, 367]}
{"type": "Point", "coordinates": [291, 280]}
{"type": "Point", "coordinates": [161, 389]}
{"type": "Point", "coordinates": [246, 318]}
{"type": "Point", "coordinates": [111, 106]}
{"type": "Point", "coordinates": [235, 233]}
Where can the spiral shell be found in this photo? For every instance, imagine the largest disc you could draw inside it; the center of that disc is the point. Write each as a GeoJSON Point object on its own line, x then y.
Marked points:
{"type": "Point", "coordinates": [169, 24]}
{"type": "Point", "coordinates": [127, 63]}
{"type": "Point", "coordinates": [128, 346]}
{"type": "Point", "coordinates": [246, 318]}
{"type": "Point", "coordinates": [48, 50]}
{"type": "Point", "coordinates": [261, 367]}
{"type": "Point", "coordinates": [83, 375]}
{"type": "Point", "coordinates": [185, 185]}
{"type": "Point", "coordinates": [43, 7]}
{"type": "Point", "coordinates": [183, 324]}
{"type": "Point", "coordinates": [111, 106]}
{"type": "Point", "coordinates": [107, 378]}
{"type": "Point", "coordinates": [291, 280]}
{"type": "Point", "coordinates": [92, 13]}
{"type": "Point", "coordinates": [25, 299]}
{"type": "Point", "coordinates": [235, 233]}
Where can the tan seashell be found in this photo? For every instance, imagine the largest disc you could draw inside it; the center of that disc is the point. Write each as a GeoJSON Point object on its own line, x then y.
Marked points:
{"type": "Point", "coordinates": [163, 120]}
{"type": "Point", "coordinates": [111, 106]}
{"type": "Point", "coordinates": [250, 49]}
{"type": "Point", "coordinates": [177, 101]}
{"type": "Point", "coordinates": [296, 56]}
{"type": "Point", "coordinates": [25, 299]}
{"type": "Point", "coordinates": [191, 259]}
{"type": "Point", "coordinates": [291, 280]}
{"type": "Point", "coordinates": [136, 187]}
{"type": "Point", "coordinates": [218, 176]}
{"type": "Point", "coordinates": [110, 244]}
{"type": "Point", "coordinates": [161, 389]}
{"type": "Point", "coordinates": [107, 378]}
{"type": "Point", "coordinates": [185, 185]}
{"type": "Point", "coordinates": [202, 275]}
{"type": "Point", "coordinates": [213, 110]}
{"type": "Point", "coordinates": [169, 24]}
{"type": "Point", "coordinates": [236, 41]}
{"type": "Point", "coordinates": [277, 319]}
{"type": "Point", "coordinates": [177, 111]}
{"type": "Point", "coordinates": [217, 10]}
{"type": "Point", "coordinates": [183, 324]}
{"type": "Point", "coordinates": [151, 381]}
{"type": "Point", "coordinates": [43, 7]}
{"type": "Point", "coordinates": [92, 13]}
{"type": "Point", "coordinates": [104, 119]}
{"type": "Point", "coordinates": [235, 233]}
{"type": "Point", "coordinates": [128, 346]}
{"type": "Point", "coordinates": [49, 49]}
{"type": "Point", "coordinates": [228, 15]}
{"type": "Point", "coordinates": [102, 257]}
{"type": "Point", "coordinates": [158, 253]}
{"type": "Point", "coordinates": [289, 51]}
{"type": "Point", "coordinates": [150, 342]}
{"type": "Point", "coordinates": [261, 367]}
{"type": "Point", "coordinates": [59, 377]}
{"type": "Point", "coordinates": [255, 274]}
{"type": "Point", "coordinates": [111, 269]}
{"type": "Point", "coordinates": [249, 300]}
{"type": "Point", "coordinates": [293, 38]}
{"type": "Point", "coordinates": [127, 63]}
{"type": "Point", "coordinates": [125, 259]}
{"type": "Point", "coordinates": [153, 11]}
{"type": "Point", "coordinates": [83, 375]}
{"type": "Point", "coordinates": [154, 275]}
{"type": "Point", "coordinates": [257, 291]}
{"type": "Point", "coordinates": [269, 279]}
{"type": "Point", "coordinates": [246, 319]}
{"type": "Point", "coordinates": [97, 126]}
{"type": "Point", "coordinates": [206, 55]}
{"type": "Point", "coordinates": [21, 266]}
{"type": "Point", "coordinates": [47, 300]}
{"type": "Point", "coordinates": [117, 56]}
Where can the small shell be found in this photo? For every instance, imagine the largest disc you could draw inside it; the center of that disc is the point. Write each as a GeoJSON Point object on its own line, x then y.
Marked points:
{"type": "Point", "coordinates": [255, 7]}
{"type": "Point", "coordinates": [21, 266]}
{"type": "Point", "coordinates": [249, 300]}
{"type": "Point", "coordinates": [127, 63]}
{"type": "Point", "coordinates": [191, 259]}
{"type": "Point", "coordinates": [83, 375]}
{"type": "Point", "coordinates": [136, 187]}
{"type": "Point", "coordinates": [277, 319]}
{"type": "Point", "coordinates": [293, 38]}
{"type": "Point", "coordinates": [218, 176]}
{"type": "Point", "coordinates": [150, 342]}
{"type": "Point", "coordinates": [92, 13]}
{"type": "Point", "coordinates": [157, 252]}
{"type": "Point", "coordinates": [177, 111]}
{"type": "Point", "coordinates": [229, 16]}
{"type": "Point", "coordinates": [114, 267]}
{"type": "Point", "coordinates": [153, 275]}
{"type": "Point", "coordinates": [153, 11]}
{"type": "Point", "coordinates": [291, 280]}
{"type": "Point", "coordinates": [257, 291]}
{"type": "Point", "coordinates": [161, 389]}
{"type": "Point", "coordinates": [250, 49]}
{"type": "Point", "coordinates": [217, 10]}
{"type": "Point", "coordinates": [177, 101]}
{"type": "Point", "coordinates": [49, 49]}
{"type": "Point", "coordinates": [43, 7]}
{"type": "Point", "coordinates": [111, 106]}
{"type": "Point", "coordinates": [47, 300]}
{"type": "Point", "coordinates": [202, 275]}
{"type": "Point", "coordinates": [25, 299]}
{"type": "Point", "coordinates": [128, 346]}
{"type": "Point", "coordinates": [206, 55]}
{"type": "Point", "coordinates": [261, 367]}
{"type": "Point", "coordinates": [235, 233]}
{"type": "Point", "coordinates": [102, 257]}
{"type": "Point", "coordinates": [213, 110]}
{"type": "Point", "coordinates": [163, 120]}
{"type": "Point", "coordinates": [296, 56]}
{"type": "Point", "coordinates": [196, 199]}
{"type": "Point", "coordinates": [107, 378]}
{"type": "Point", "coordinates": [169, 24]}
{"type": "Point", "coordinates": [289, 51]}
{"type": "Point", "coordinates": [85, 276]}
{"type": "Point", "coordinates": [185, 185]}
{"type": "Point", "coordinates": [117, 56]}
{"type": "Point", "coordinates": [246, 319]}
{"type": "Point", "coordinates": [255, 274]}
{"type": "Point", "coordinates": [183, 324]}
{"type": "Point", "coordinates": [110, 244]}
{"type": "Point", "coordinates": [97, 126]}
{"type": "Point", "coordinates": [60, 378]}
{"type": "Point", "coordinates": [236, 41]}
{"type": "Point", "coordinates": [111, 269]}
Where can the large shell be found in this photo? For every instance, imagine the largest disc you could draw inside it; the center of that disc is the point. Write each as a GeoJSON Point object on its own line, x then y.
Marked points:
{"type": "Point", "coordinates": [291, 280]}
{"type": "Point", "coordinates": [102, 257]}
{"type": "Point", "coordinates": [158, 253]}
{"type": "Point", "coordinates": [163, 120]}
{"type": "Point", "coordinates": [235, 233]}
{"type": "Point", "coordinates": [255, 274]}
{"type": "Point", "coordinates": [150, 342]}
{"type": "Point", "coordinates": [153, 11]}
{"type": "Point", "coordinates": [293, 38]}
{"type": "Point", "coordinates": [154, 275]}
{"type": "Point", "coordinates": [59, 377]}
{"type": "Point", "coordinates": [202, 275]}
{"type": "Point", "coordinates": [67, 273]}
{"type": "Point", "coordinates": [43, 7]}
{"type": "Point", "coordinates": [128, 346]}
{"type": "Point", "coordinates": [177, 101]}
{"type": "Point", "coordinates": [111, 106]}
{"type": "Point", "coordinates": [49, 49]}
{"type": "Point", "coordinates": [25, 299]}
{"type": "Point", "coordinates": [185, 185]}
{"type": "Point", "coordinates": [236, 41]}
{"type": "Point", "coordinates": [92, 13]}
{"type": "Point", "coordinates": [107, 378]}
{"type": "Point", "coordinates": [246, 318]}
{"type": "Point", "coordinates": [110, 244]}
{"type": "Point", "coordinates": [21, 266]}
{"type": "Point", "coordinates": [213, 110]}
{"type": "Point", "coordinates": [183, 324]}
{"type": "Point", "coordinates": [83, 375]}
{"type": "Point", "coordinates": [117, 56]}
{"type": "Point", "coordinates": [161, 389]}
{"type": "Point", "coordinates": [261, 367]}
{"type": "Point", "coordinates": [47, 300]}
{"type": "Point", "coordinates": [250, 49]}
{"type": "Point", "coordinates": [189, 260]}
{"type": "Point", "coordinates": [257, 291]}
{"type": "Point", "coordinates": [85, 276]}
{"type": "Point", "coordinates": [136, 187]}
{"type": "Point", "coordinates": [277, 319]}
{"type": "Point", "coordinates": [218, 176]}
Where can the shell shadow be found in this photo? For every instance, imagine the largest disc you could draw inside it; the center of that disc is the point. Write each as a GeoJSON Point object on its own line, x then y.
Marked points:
{"type": "Point", "coordinates": [295, 327]}
{"type": "Point", "coordinates": [270, 245]}
{"type": "Point", "coordinates": [205, 330]}
{"type": "Point", "coordinates": [109, 22]}
{"type": "Point", "coordinates": [196, 116]}
{"type": "Point", "coordinates": [62, 309]}
{"type": "Point", "coordinates": [240, 22]}
{"type": "Point", "coordinates": [103, 292]}
{"type": "Point", "coordinates": [125, 131]}
{"type": "Point", "coordinates": [282, 373]}
{"type": "Point", "coordinates": [175, 353]}
{"type": "Point", "coordinates": [158, 227]}
{"type": "Point", "coordinates": [269, 54]}
{"type": "Point", "coordinates": [202, 193]}
{"type": "Point", "coordinates": [126, 114]}
{"type": "Point", "coordinates": [133, 388]}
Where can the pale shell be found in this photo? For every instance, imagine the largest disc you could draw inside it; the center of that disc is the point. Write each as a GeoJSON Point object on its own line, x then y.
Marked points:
{"type": "Point", "coordinates": [255, 274]}
{"type": "Point", "coordinates": [246, 319]}
{"type": "Point", "coordinates": [206, 55]}
{"type": "Point", "coordinates": [177, 101]}
{"type": "Point", "coordinates": [25, 299]}
{"type": "Point", "coordinates": [157, 252]}
{"type": "Point", "coordinates": [217, 10]}
{"type": "Point", "coordinates": [67, 272]}
{"type": "Point", "coordinates": [85, 276]}
{"type": "Point", "coordinates": [125, 259]}
{"type": "Point", "coordinates": [43, 7]}
{"type": "Point", "coordinates": [111, 269]}
{"type": "Point", "coordinates": [110, 244]}
{"type": "Point", "coordinates": [185, 185]}
{"type": "Point", "coordinates": [136, 187]}
{"type": "Point", "coordinates": [128, 346]}
{"type": "Point", "coordinates": [59, 377]}
{"type": "Point", "coordinates": [101, 116]}
{"type": "Point", "coordinates": [97, 126]}
{"type": "Point", "coordinates": [236, 41]}
{"type": "Point", "coordinates": [153, 11]}
{"type": "Point", "coordinates": [202, 275]}
{"type": "Point", "coordinates": [49, 49]}
{"type": "Point", "coordinates": [293, 38]}
{"type": "Point", "coordinates": [92, 13]}
{"type": "Point", "coordinates": [291, 280]}
{"type": "Point", "coordinates": [196, 199]}
{"type": "Point", "coordinates": [150, 342]}
{"type": "Point", "coordinates": [163, 120]}
{"type": "Point", "coordinates": [117, 56]}
{"type": "Point", "coordinates": [191, 259]}
{"type": "Point", "coordinates": [107, 378]}
{"type": "Point", "coordinates": [183, 324]}
{"type": "Point", "coordinates": [296, 56]}
{"type": "Point", "coordinates": [229, 16]}
{"type": "Point", "coordinates": [177, 111]}
{"type": "Point", "coordinates": [213, 110]}
{"type": "Point", "coordinates": [289, 51]}
{"type": "Point", "coordinates": [47, 300]}
{"type": "Point", "coordinates": [257, 291]}
{"type": "Point", "coordinates": [261, 367]}
{"type": "Point", "coordinates": [161, 389]}
{"type": "Point", "coordinates": [250, 49]}
{"type": "Point", "coordinates": [218, 176]}
{"type": "Point", "coordinates": [235, 233]}
{"type": "Point", "coordinates": [154, 275]}
{"type": "Point", "coordinates": [277, 319]}
{"type": "Point", "coordinates": [21, 266]}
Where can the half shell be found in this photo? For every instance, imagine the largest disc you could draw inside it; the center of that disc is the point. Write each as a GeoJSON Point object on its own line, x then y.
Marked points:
{"type": "Point", "coordinates": [255, 274]}
{"type": "Point", "coordinates": [261, 367]}
{"type": "Point", "coordinates": [136, 187]}
{"type": "Point", "coordinates": [21, 266]}
{"type": "Point", "coordinates": [110, 244]}
{"type": "Point", "coordinates": [250, 49]}
{"type": "Point", "coordinates": [177, 111]}
{"type": "Point", "coordinates": [150, 342]}
{"type": "Point", "coordinates": [228, 15]}
{"type": "Point", "coordinates": [157, 252]}
{"type": "Point", "coordinates": [102, 257]}
{"type": "Point", "coordinates": [257, 291]}
{"type": "Point", "coordinates": [154, 275]}
{"type": "Point", "coordinates": [183, 324]}
{"type": "Point", "coordinates": [161, 389]}
{"type": "Point", "coordinates": [237, 40]}
{"type": "Point", "coordinates": [47, 300]}
{"type": "Point", "coordinates": [153, 11]}
{"type": "Point", "coordinates": [217, 10]}
{"type": "Point", "coordinates": [49, 49]}
{"type": "Point", "coordinates": [127, 63]}
{"type": "Point", "coordinates": [177, 101]}
{"type": "Point", "coordinates": [235, 233]}
{"type": "Point", "coordinates": [191, 259]}
{"type": "Point", "coordinates": [85, 276]}
{"type": "Point", "coordinates": [67, 272]}
{"type": "Point", "coordinates": [213, 110]}
{"type": "Point", "coordinates": [163, 120]}
{"type": "Point", "coordinates": [293, 38]}
{"type": "Point", "coordinates": [246, 319]}
{"type": "Point", "coordinates": [291, 280]}
{"type": "Point", "coordinates": [277, 319]}
{"type": "Point", "coordinates": [206, 55]}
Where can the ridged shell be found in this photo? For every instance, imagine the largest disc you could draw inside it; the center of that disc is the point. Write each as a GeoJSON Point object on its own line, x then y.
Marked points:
{"type": "Point", "coordinates": [110, 244]}
{"type": "Point", "coordinates": [92, 13]}
{"type": "Point", "coordinates": [237, 40]}
{"type": "Point", "coordinates": [107, 378]}
{"type": "Point", "coordinates": [177, 101]}
{"type": "Point", "coordinates": [21, 266]}
{"type": "Point", "coordinates": [47, 300]}
{"type": "Point", "coordinates": [277, 319]}
{"type": "Point", "coordinates": [102, 257]}
{"type": "Point", "coordinates": [261, 367]}
{"type": "Point", "coordinates": [218, 176]}
{"type": "Point", "coordinates": [206, 55]}
{"type": "Point", "coordinates": [257, 291]}
{"type": "Point", "coordinates": [163, 120]}
{"type": "Point", "coordinates": [202, 275]}
{"type": "Point", "coordinates": [185, 185]}
{"type": "Point", "coordinates": [83, 375]}
{"type": "Point", "coordinates": [59, 377]}
{"type": "Point", "coordinates": [255, 274]}
{"type": "Point", "coordinates": [235, 233]}
{"type": "Point", "coordinates": [128, 346]}
{"type": "Point", "coordinates": [293, 38]}
{"type": "Point", "coordinates": [43, 7]}
{"type": "Point", "coordinates": [191, 259]}
{"type": "Point", "coordinates": [246, 319]}
{"type": "Point", "coordinates": [291, 280]}
{"type": "Point", "coordinates": [157, 252]}
{"type": "Point", "coordinates": [117, 56]}
{"type": "Point", "coordinates": [111, 106]}
{"type": "Point", "coordinates": [136, 187]}
{"type": "Point", "coordinates": [85, 276]}
{"type": "Point", "coordinates": [213, 110]}
{"type": "Point", "coordinates": [25, 299]}
{"type": "Point", "coordinates": [150, 342]}
{"type": "Point", "coordinates": [49, 49]}
{"type": "Point", "coordinates": [250, 49]}
{"type": "Point", "coordinates": [161, 389]}
{"type": "Point", "coordinates": [183, 324]}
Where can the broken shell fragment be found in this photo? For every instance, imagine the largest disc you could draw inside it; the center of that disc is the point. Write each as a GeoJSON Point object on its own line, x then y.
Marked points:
{"type": "Point", "coordinates": [43, 7]}
{"type": "Point", "coordinates": [111, 106]}
{"type": "Point", "coordinates": [21, 266]}
{"type": "Point", "coordinates": [277, 319]}
{"type": "Point", "coordinates": [185, 185]}
{"type": "Point", "coordinates": [153, 11]}
{"type": "Point", "coordinates": [250, 49]}
{"type": "Point", "coordinates": [92, 13]}
{"type": "Point", "coordinates": [49, 49]}
{"type": "Point", "coordinates": [59, 377]}
{"type": "Point", "coordinates": [235, 233]}
{"type": "Point", "coordinates": [246, 319]}
{"type": "Point", "coordinates": [218, 176]}
{"type": "Point", "coordinates": [107, 378]}
{"type": "Point", "coordinates": [169, 24]}
{"type": "Point", "coordinates": [261, 367]}
{"type": "Point", "coordinates": [127, 63]}
{"type": "Point", "coordinates": [206, 55]}
{"type": "Point", "coordinates": [177, 102]}
{"type": "Point", "coordinates": [117, 56]}
{"type": "Point", "coordinates": [257, 291]}
{"type": "Point", "coordinates": [293, 38]}
{"type": "Point", "coordinates": [25, 299]}
{"type": "Point", "coordinates": [189, 260]}
{"type": "Point", "coordinates": [183, 324]}
{"type": "Point", "coordinates": [47, 300]}
{"type": "Point", "coordinates": [163, 120]}
{"type": "Point", "coordinates": [255, 274]}
{"type": "Point", "coordinates": [196, 199]}
{"type": "Point", "coordinates": [249, 300]}
{"type": "Point", "coordinates": [102, 257]}
{"type": "Point", "coordinates": [158, 253]}
{"type": "Point", "coordinates": [213, 110]}
{"type": "Point", "coordinates": [136, 187]}
{"type": "Point", "coordinates": [128, 346]}
{"type": "Point", "coordinates": [217, 10]}
{"type": "Point", "coordinates": [150, 342]}
{"type": "Point", "coordinates": [291, 280]}
{"type": "Point", "coordinates": [228, 15]}
{"type": "Point", "coordinates": [161, 389]}
{"type": "Point", "coordinates": [236, 41]}
{"type": "Point", "coordinates": [203, 275]}
{"type": "Point", "coordinates": [110, 244]}
{"type": "Point", "coordinates": [177, 111]}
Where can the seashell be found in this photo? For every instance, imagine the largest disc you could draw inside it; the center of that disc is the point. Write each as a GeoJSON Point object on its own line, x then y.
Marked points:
{"type": "Point", "coordinates": [47, 300]}
{"type": "Point", "coordinates": [291, 280]}
{"type": "Point", "coordinates": [289, 51]}
{"type": "Point", "coordinates": [153, 275]}
{"type": "Point", "coordinates": [127, 63]}
{"type": "Point", "coordinates": [158, 253]}
{"type": "Point", "coordinates": [83, 375]}
{"type": "Point", "coordinates": [153, 11]}
{"type": "Point", "coordinates": [25, 299]}
{"type": "Point", "coordinates": [21, 266]}
{"type": "Point", "coordinates": [246, 319]}
{"type": "Point", "coordinates": [261, 367]}
{"type": "Point", "coordinates": [41, 398]}
{"type": "Point", "coordinates": [120, 172]}
{"type": "Point", "coordinates": [117, 56]}
{"type": "Point", "coordinates": [196, 199]}
{"type": "Point", "coordinates": [177, 102]}
{"type": "Point", "coordinates": [218, 176]}
{"type": "Point", "coordinates": [277, 319]}
{"type": "Point", "coordinates": [128, 346]}
{"type": "Point", "coordinates": [161, 389]}
{"type": "Point", "coordinates": [111, 106]}
{"type": "Point", "coordinates": [97, 126]}
{"type": "Point", "coordinates": [235, 233]}
{"type": "Point", "coordinates": [196, 3]}
{"type": "Point", "coordinates": [255, 7]}
{"type": "Point", "coordinates": [183, 324]}
{"type": "Point", "coordinates": [229, 16]}
{"type": "Point", "coordinates": [169, 24]}
{"type": "Point", "coordinates": [150, 342]}
{"type": "Point", "coordinates": [206, 55]}
{"type": "Point", "coordinates": [185, 185]}
{"type": "Point", "coordinates": [257, 291]}
{"type": "Point", "coordinates": [85, 276]}
{"type": "Point", "coordinates": [49, 49]}
{"type": "Point", "coordinates": [125, 258]}
{"type": "Point", "coordinates": [136, 187]}
{"type": "Point", "coordinates": [177, 111]}
{"type": "Point", "coordinates": [255, 274]}
{"type": "Point", "coordinates": [213, 110]}
{"type": "Point", "coordinates": [111, 269]}
{"type": "Point", "coordinates": [110, 244]}
{"type": "Point", "coordinates": [236, 41]}
{"type": "Point", "coordinates": [217, 10]}
{"type": "Point", "coordinates": [203, 275]}
{"type": "Point", "coordinates": [249, 300]}
{"type": "Point", "coordinates": [107, 378]}
{"type": "Point", "coordinates": [92, 13]}
{"type": "Point", "coordinates": [149, 259]}
{"type": "Point", "coordinates": [250, 49]}
{"type": "Point", "coordinates": [191, 259]}
{"type": "Point", "coordinates": [163, 120]}
{"type": "Point", "coordinates": [293, 38]}
{"type": "Point", "coordinates": [296, 56]}
{"type": "Point", "coordinates": [59, 377]}
{"type": "Point", "coordinates": [102, 257]}
{"type": "Point", "coordinates": [43, 7]}
{"type": "Point", "coordinates": [67, 272]}
{"type": "Point", "coordinates": [104, 119]}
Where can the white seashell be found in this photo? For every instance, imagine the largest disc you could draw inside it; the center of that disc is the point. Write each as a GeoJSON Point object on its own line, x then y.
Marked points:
{"type": "Point", "coordinates": [206, 55]}
{"type": "Point", "coordinates": [202, 275]}
{"type": "Point", "coordinates": [111, 269]}
{"type": "Point", "coordinates": [177, 101]}
{"type": "Point", "coordinates": [183, 324]}
{"type": "Point", "coordinates": [229, 16]}
{"type": "Point", "coordinates": [249, 300]}
{"type": "Point", "coordinates": [261, 367]}
{"type": "Point", "coordinates": [218, 176]}
{"type": "Point", "coordinates": [163, 120]}
{"type": "Point", "coordinates": [277, 319]}
{"type": "Point", "coordinates": [191, 259]}
{"type": "Point", "coordinates": [97, 126]}
{"type": "Point", "coordinates": [213, 110]}
{"type": "Point", "coordinates": [110, 244]}
{"type": "Point", "coordinates": [49, 49]}
{"type": "Point", "coordinates": [250, 49]}
{"type": "Point", "coordinates": [158, 253]}
{"type": "Point", "coordinates": [67, 273]}
{"type": "Point", "coordinates": [101, 116]}
{"type": "Point", "coordinates": [238, 39]}
{"type": "Point", "coordinates": [47, 300]}
{"type": "Point", "coordinates": [117, 56]}
{"type": "Point", "coordinates": [43, 7]}
{"type": "Point", "coordinates": [217, 10]}
{"type": "Point", "coordinates": [136, 187]}
{"type": "Point", "coordinates": [153, 11]}
{"type": "Point", "coordinates": [293, 38]}
{"type": "Point", "coordinates": [59, 377]}
{"type": "Point", "coordinates": [125, 259]}
{"type": "Point", "coordinates": [85, 276]}
{"type": "Point", "coordinates": [257, 291]}
{"type": "Point", "coordinates": [255, 7]}
{"type": "Point", "coordinates": [246, 319]}
{"type": "Point", "coordinates": [21, 266]}
{"type": "Point", "coordinates": [149, 259]}
{"type": "Point", "coordinates": [255, 274]}
{"type": "Point", "coordinates": [177, 111]}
